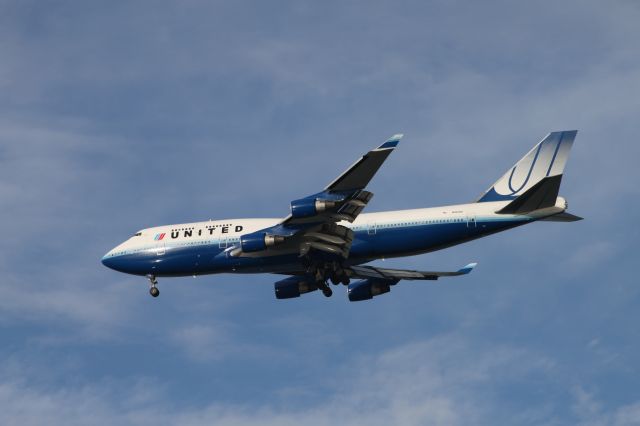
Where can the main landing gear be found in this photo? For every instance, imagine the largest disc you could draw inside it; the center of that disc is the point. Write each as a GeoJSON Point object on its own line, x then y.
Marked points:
{"type": "Point", "coordinates": [321, 282]}
{"type": "Point", "coordinates": [153, 291]}
{"type": "Point", "coordinates": [332, 272]}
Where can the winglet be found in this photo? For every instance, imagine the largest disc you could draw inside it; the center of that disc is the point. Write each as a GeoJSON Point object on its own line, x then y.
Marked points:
{"type": "Point", "coordinates": [467, 268]}
{"type": "Point", "coordinates": [392, 142]}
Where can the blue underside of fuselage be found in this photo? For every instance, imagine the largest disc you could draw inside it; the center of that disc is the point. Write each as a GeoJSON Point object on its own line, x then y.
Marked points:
{"type": "Point", "coordinates": [384, 243]}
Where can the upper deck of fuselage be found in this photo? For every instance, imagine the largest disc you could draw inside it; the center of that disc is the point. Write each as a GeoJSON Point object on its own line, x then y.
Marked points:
{"type": "Point", "coordinates": [211, 230]}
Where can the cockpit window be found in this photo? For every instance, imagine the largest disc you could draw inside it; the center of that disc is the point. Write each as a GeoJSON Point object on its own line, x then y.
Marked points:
{"type": "Point", "coordinates": [137, 234]}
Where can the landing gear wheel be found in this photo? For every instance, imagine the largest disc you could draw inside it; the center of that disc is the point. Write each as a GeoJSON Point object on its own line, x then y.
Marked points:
{"type": "Point", "coordinates": [153, 282]}
{"type": "Point", "coordinates": [334, 279]}
{"type": "Point", "coordinates": [327, 292]}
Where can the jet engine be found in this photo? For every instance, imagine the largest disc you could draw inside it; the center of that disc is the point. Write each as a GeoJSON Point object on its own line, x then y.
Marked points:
{"type": "Point", "coordinates": [367, 289]}
{"type": "Point", "coordinates": [258, 241]}
{"type": "Point", "coordinates": [294, 286]}
{"type": "Point", "coordinates": [306, 207]}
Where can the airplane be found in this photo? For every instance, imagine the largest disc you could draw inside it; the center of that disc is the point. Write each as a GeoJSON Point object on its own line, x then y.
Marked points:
{"type": "Point", "coordinates": [327, 239]}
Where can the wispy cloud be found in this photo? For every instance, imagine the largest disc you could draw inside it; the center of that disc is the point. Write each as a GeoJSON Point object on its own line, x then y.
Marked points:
{"type": "Point", "coordinates": [210, 343]}
{"type": "Point", "coordinates": [440, 381]}
{"type": "Point", "coordinates": [407, 385]}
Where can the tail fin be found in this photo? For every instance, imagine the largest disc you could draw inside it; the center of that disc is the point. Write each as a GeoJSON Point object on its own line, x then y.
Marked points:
{"type": "Point", "coordinates": [546, 159]}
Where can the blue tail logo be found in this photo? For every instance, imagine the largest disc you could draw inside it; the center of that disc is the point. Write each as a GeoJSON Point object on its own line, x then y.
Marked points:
{"type": "Point", "coordinates": [547, 158]}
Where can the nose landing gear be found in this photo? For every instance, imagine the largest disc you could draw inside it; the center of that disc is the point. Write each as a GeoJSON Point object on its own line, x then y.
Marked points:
{"type": "Point", "coordinates": [153, 291]}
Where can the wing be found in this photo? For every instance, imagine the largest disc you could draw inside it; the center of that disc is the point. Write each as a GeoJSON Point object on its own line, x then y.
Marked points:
{"type": "Point", "coordinates": [374, 281]}
{"type": "Point", "coordinates": [345, 197]}
{"type": "Point", "coordinates": [367, 272]}
{"type": "Point", "coordinates": [312, 224]}
{"type": "Point", "coordinates": [377, 281]}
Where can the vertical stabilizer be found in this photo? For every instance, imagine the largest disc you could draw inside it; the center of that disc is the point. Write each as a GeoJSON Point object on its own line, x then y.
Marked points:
{"type": "Point", "coordinates": [546, 159]}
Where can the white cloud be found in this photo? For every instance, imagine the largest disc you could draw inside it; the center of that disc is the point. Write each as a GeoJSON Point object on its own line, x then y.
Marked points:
{"type": "Point", "coordinates": [202, 342]}
{"type": "Point", "coordinates": [205, 343]}
{"type": "Point", "coordinates": [441, 381]}
{"type": "Point", "coordinates": [628, 415]}
{"type": "Point", "coordinates": [409, 385]}
{"type": "Point", "coordinates": [592, 412]}
{"type": "Point", "coordinates": [592, 255]}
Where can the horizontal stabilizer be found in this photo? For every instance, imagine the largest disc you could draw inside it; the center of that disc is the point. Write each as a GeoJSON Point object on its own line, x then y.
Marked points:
{"type": "Point", "coordinates": [563, 217]}
{"type": "Point", "coordinates": [404, 274]}
{"type": "Point", "coordinates": [541, 195]}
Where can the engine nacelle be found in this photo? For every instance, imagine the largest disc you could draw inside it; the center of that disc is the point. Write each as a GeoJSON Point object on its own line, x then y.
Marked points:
{"type": "Point", "coordinates": [294, 286]}
{"type": "Point", "coordinates": [306, 207]}
{"type": "Point", "coordinates": [258, 241]}
{"type": "Point", "coordinates": [367, 289]}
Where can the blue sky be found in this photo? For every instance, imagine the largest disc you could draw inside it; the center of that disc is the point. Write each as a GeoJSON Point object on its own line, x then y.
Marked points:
{"type": "Point", "coordinates": [120, 116]}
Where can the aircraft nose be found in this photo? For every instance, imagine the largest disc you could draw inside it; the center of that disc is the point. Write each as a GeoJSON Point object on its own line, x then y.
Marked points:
{"type": "Point", "coordinates": [112, 259]}
{"type": "Point", "coordinates": [108, 261]}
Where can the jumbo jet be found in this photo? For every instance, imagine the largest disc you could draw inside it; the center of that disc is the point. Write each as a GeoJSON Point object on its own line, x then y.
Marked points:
{"type": "Point", "coordinates": [327, 239]}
